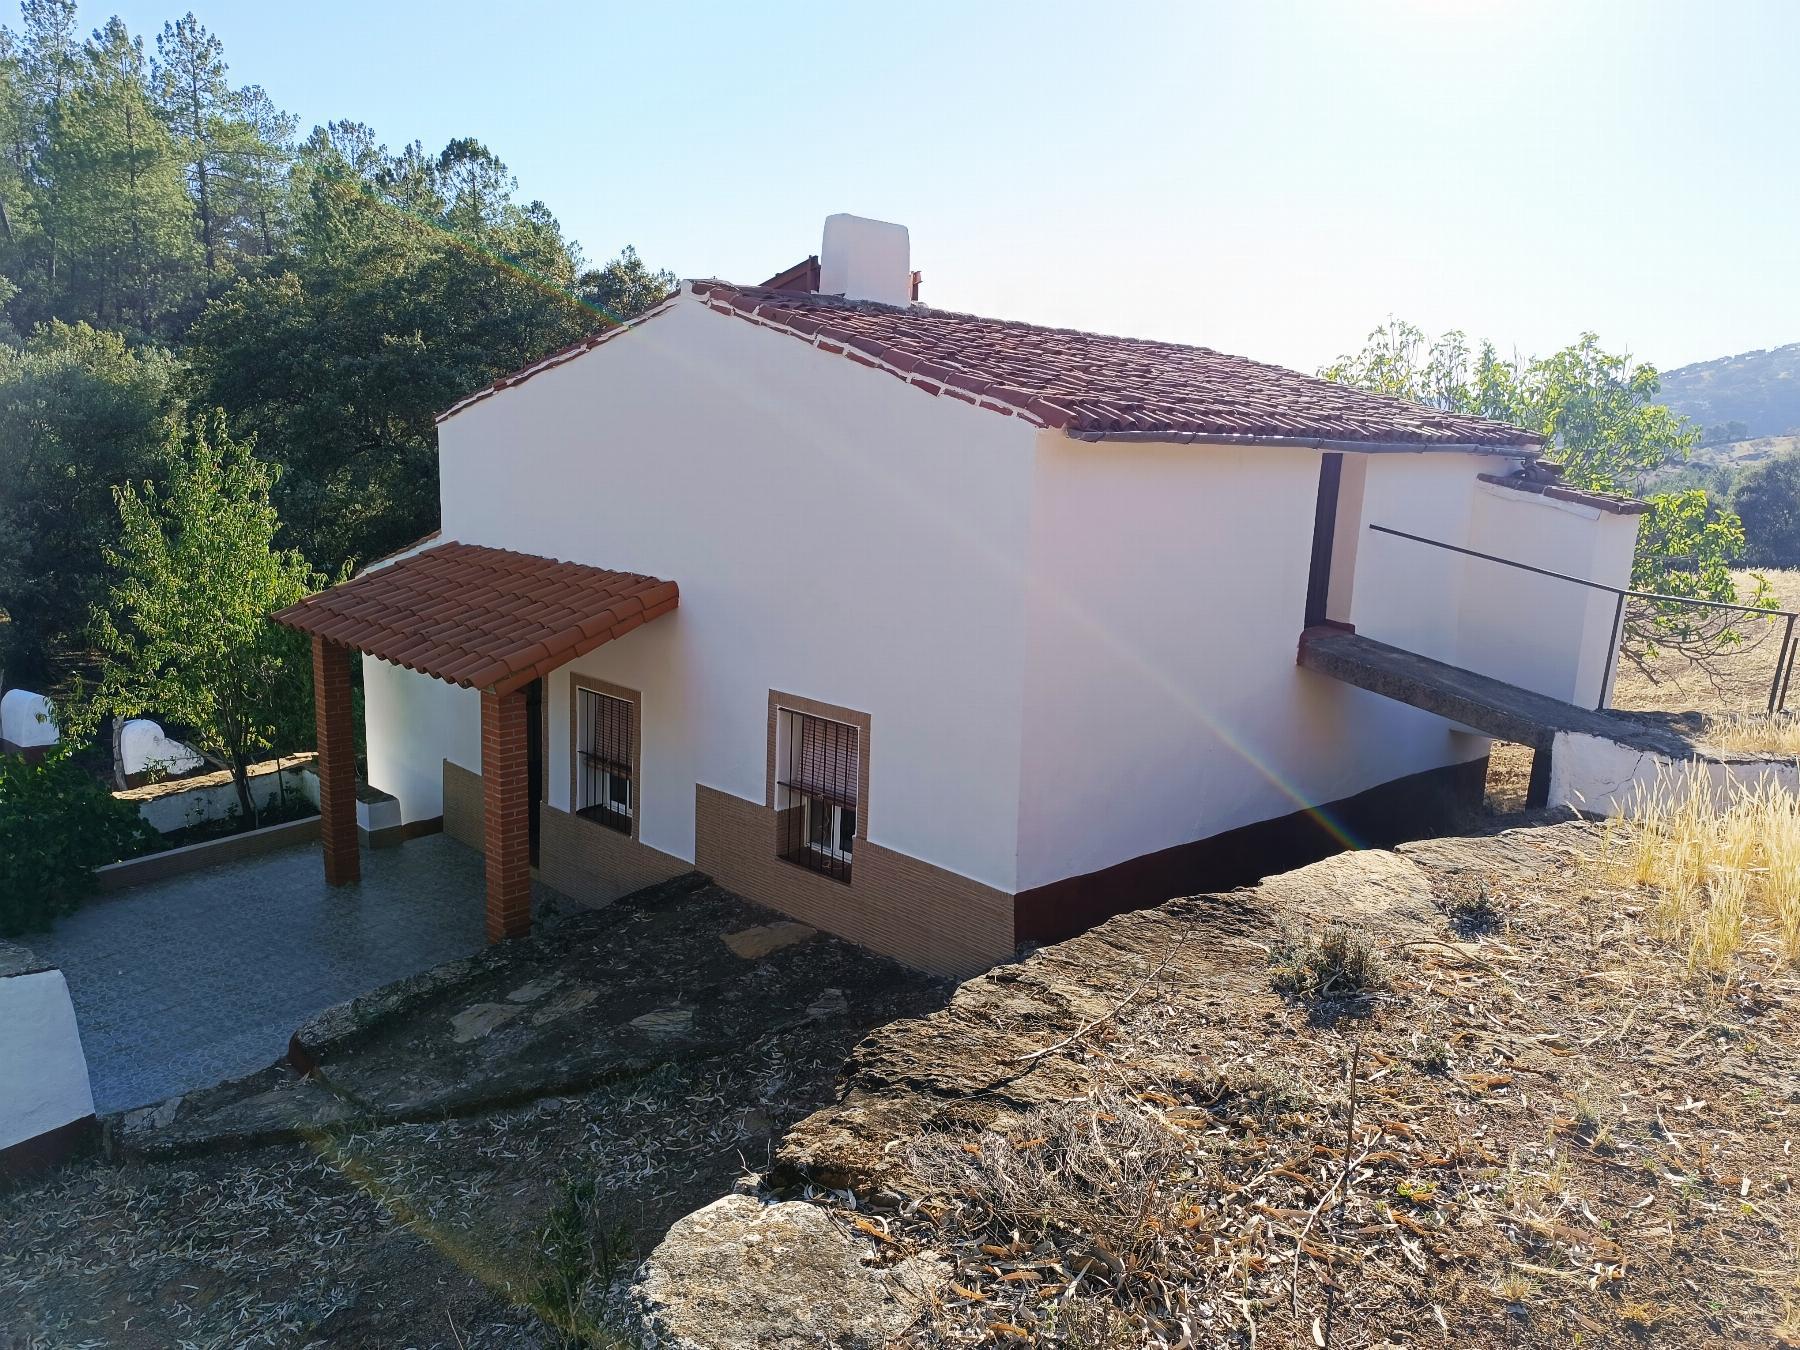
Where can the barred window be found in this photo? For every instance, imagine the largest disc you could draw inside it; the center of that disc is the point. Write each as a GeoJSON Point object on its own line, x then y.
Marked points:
{"type": "Point", "coordinates": [817, 777]}
{"type": "Point", "coordinates": [606, 742]}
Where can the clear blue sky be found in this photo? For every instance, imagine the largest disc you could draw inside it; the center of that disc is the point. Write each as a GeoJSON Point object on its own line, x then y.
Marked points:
{"type": "Point", "coordinates": [1271, 177]}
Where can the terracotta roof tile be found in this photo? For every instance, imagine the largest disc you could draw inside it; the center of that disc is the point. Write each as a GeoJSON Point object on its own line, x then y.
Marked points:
{"type": "Point", "coordinates": [1541, 479]}
{"type": "Point", "coordinates": [481, 617]}
{"type": "Point", "coordinates": [1110, 388]}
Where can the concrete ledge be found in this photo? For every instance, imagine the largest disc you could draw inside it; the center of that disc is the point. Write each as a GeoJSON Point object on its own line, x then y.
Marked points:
{"type": "Point", "coordinates": [192, 857]}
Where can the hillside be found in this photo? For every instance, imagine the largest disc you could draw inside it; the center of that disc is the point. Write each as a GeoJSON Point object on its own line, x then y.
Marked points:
{"type": "Point", "coordinates": [1543, 1127]}
{"type": "Point", "coordinates": [1759, 389]}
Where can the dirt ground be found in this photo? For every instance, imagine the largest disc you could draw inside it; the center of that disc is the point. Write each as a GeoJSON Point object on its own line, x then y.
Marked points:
{"type": "Point", "coordinates": [1499, 1111]}
{"type": "Point", "coordinates": [431, 1234]}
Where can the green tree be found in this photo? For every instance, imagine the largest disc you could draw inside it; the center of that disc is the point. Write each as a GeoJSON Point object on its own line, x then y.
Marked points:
{"type": "Point", "coordinates": [197, 103]}
{"type": "Point", "coordinates": [1599, 418]}
{"type": "Point", "coordinates": [186, 634]}
{"type": "Point", "coordinates": [1767, 501]}
{"type": "Point", "coordinates": [407, 280]}
{"type": "Point", "coordinates": [116, 203]}
{"type": "Point", "coordinates": [81, 413]}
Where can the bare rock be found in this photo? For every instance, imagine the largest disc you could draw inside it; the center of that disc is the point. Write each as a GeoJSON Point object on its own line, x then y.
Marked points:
{"type": "Point", "coordinates": [744, 1275]}
{"type": "Point", "coordinates": [755, 943]}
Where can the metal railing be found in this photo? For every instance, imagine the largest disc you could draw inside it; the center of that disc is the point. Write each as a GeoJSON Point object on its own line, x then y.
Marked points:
{"type": "Point", "coordinates": [1784, 658]}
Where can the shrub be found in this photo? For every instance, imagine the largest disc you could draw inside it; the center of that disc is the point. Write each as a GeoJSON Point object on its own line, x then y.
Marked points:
{"type": "Point", "coordinates": [1337, 963]}
{"type": "Point", "coordinates": [56, 826]}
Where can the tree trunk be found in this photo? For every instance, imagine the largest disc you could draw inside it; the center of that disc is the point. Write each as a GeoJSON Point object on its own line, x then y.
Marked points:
{"type": "Point", "coordinates": [240, 777]}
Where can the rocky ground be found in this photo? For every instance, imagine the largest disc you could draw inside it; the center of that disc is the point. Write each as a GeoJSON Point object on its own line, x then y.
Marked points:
{"type": "Point", "coordinates": [1454, 1094]}
{"type": "Point", "coordinates": [1459, 1093]}
{"type": "Point", "coordinates": [677, 1036]}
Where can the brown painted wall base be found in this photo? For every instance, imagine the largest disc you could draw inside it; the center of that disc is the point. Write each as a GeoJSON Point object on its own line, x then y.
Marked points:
{"type": "Point", "coordinates": [593, 865]}
{"type": "Point", "coordinates": [462, 805]}
{"type": "Point", "coordinates": [392, 836]}
{"type": "Point", "coordinates": [28, 1157]}
{"type": "Point", "coordinates": [899, 906]}
{"type": "Point", "coordinates": [191, 857]}
{"type": "Point", "coordinates": [1438, 801]}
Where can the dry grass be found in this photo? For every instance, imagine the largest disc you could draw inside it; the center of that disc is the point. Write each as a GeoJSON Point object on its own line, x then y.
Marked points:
{"type": "Point", "coordinates": [1755, 735]}
{"type": "Point", "coordinates": [1723, 866]}
{"type": "Point", "coordinates": [1739, 684]}
{"type": "Point", "coordinates": [1550, 1135]}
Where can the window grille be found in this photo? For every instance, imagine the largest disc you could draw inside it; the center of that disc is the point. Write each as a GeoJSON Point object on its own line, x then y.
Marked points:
{"type": "Point", "coordinates": [816, 792]}
{"type": "Point", "coordinates": [606, 745]}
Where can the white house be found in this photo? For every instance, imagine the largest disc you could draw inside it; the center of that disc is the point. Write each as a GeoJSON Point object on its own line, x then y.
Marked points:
{"type": "Point", "coordinates": [937, 632]}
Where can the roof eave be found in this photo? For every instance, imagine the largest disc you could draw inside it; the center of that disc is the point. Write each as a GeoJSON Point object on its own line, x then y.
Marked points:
{"type": "Point", "coordinates": [1519, 450]}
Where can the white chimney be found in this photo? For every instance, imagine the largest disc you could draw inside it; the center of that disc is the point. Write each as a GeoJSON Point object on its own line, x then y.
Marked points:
{"type": "Point", "coordinates": [862, 259]}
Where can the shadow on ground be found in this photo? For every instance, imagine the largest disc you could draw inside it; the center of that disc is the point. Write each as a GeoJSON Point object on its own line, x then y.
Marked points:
{"type": "Point", "coordinates": [656, 1049]}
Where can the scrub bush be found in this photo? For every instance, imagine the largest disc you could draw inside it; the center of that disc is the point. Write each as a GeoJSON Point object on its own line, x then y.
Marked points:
{"type": "Point", "coordinates": [56, 826]}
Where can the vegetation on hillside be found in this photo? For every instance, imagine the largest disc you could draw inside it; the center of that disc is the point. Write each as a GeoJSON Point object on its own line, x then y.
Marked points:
{"type": "Point", "coordinates": [170, 244]}
{"type": "Point", "coordinates": [1601, 419]}
{"type": "Point", "coordinates": [1739, 397]}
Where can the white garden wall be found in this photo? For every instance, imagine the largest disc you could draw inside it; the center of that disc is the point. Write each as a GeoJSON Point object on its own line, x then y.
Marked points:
{"type": "Point", "coordinates": [43, 1073]}
{"type": "Point", "coordinates": [1605, 777]}
{"type": "Point", "coordinates": [26, 720]}
{"type": "Point", "coordinates": [194, 801]}
{"type": "Point", "coordinates": [835, 534]}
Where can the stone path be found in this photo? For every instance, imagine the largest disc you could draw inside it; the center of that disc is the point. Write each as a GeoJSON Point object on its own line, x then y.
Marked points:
{"type": "Point", "coordinates": [678, 972]}
{"type": "Point", "coordinates": [180, 983]}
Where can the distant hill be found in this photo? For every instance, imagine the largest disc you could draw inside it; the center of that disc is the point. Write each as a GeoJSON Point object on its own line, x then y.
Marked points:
{"type": "Point", "coordinates": [1737, 398]}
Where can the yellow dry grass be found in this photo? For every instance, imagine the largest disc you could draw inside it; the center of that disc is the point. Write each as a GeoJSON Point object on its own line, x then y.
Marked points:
{"type": "Point", "coordinates": [1739, 681]}
{"type": "Point", "coordinates": [1753, 734]}
{"type": "Point", "coordinates": [1723, 866]}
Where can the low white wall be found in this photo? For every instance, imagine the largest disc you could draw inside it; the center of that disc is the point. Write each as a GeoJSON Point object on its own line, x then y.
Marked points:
{"type": "Point", "coordinates": [1591, 773]}
{"type": "Point", "coordinates": [213, 800]}
{"type": "Point", "coordinates": [43, 1073]}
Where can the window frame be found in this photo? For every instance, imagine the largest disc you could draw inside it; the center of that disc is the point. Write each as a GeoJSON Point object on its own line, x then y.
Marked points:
{"type": "Point", "coordinates": [628, 822]}
{"type": "Point", "coordinates": [839, 862]}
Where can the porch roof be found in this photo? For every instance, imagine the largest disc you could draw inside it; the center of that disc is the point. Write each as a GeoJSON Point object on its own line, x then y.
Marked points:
{"type": "Point", "coordinates": [482, 618]}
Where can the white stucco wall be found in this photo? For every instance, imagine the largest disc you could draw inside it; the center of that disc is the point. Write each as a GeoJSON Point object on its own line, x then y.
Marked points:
{"type": "Point", "coordinates": [210, 800]}
{"type": "Point", "coordinates": [43, 1073]}
{"type": "Point", "coordinates": [1162, 699]}
{"type": "Point", "coordinates": [835, 535]}
{"type": "Point", "coordinates": [1073, 654]}
{"type": "Point", "coordinates": [1543, 634]}
{"type": "Point", "coordinates": [413, 723]}
{"type": "Point", "coordinates": [144, 746]}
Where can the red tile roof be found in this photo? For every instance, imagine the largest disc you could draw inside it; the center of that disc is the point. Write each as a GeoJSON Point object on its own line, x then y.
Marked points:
{"type": "Point", "coordinates": [1109, 388]}
{"type": "Point", "coordinates": [1540, 479]}
{"type": "Point", "coordinates": [483, 618]}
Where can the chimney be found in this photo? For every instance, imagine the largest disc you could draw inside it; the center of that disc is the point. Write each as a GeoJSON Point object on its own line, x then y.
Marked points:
{"type": "Point", "coordinates": [862, 259]}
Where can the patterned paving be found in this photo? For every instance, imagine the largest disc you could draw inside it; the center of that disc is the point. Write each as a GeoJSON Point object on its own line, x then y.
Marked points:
{"type": "Point", "coordinates": [181, 983]}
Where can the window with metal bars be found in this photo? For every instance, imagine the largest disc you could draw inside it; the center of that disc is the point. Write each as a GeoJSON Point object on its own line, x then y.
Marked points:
{"type": "Point", "coordinates": [818, 770]}
{"type": "Point", "coordinates": [605, 744]}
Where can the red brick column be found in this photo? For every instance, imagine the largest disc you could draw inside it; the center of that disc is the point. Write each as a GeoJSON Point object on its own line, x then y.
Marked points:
{"type": "Point", "coordinates": [506, 815]}
{"type": "Point", "coordinates": [337, 762]}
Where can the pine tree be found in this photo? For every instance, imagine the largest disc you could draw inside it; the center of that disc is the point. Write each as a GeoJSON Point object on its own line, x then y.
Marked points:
{"type": "Point", "coordinates": [117, 205]}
